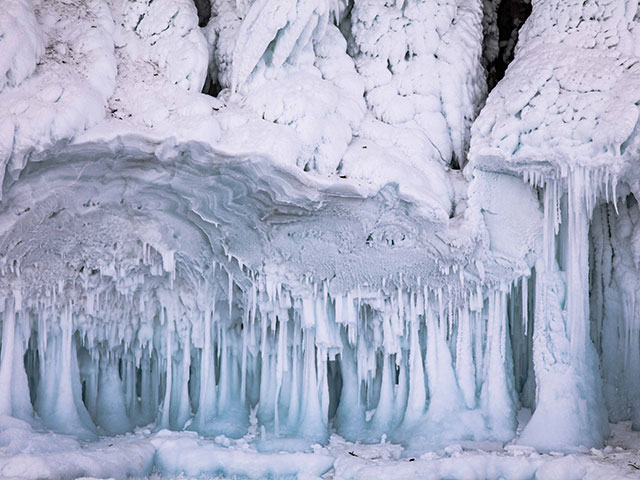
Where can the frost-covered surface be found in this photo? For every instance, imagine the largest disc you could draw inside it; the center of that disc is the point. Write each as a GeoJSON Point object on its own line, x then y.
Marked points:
{"type": "Point", "coordinates": [571, 95]}
{"type": "Point", "coordinates": [218, 278]}
{"type": "Point", "coordinates": [28, 454]}
{"type": "Point", "coordinates": [297, 264]}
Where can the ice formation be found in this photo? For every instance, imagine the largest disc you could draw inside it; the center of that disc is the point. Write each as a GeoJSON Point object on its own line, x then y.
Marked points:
{"type": "Point", "coordinates": [321, 242]}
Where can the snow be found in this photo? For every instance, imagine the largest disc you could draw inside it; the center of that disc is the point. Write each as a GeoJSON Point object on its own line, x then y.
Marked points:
{"type": "Point", "coordinates": [295, 278]}
{"type": "Point", "coordinates": [569, 97]}
{"type": "Point", "coordinates": [29, 454]}
{"type": "Point", "coordinates": [69, 86]}
{"type": "Point", "coordinates": [22, 43]}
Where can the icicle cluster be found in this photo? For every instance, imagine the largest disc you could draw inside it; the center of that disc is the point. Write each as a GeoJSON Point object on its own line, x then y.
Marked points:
{"type": "Point", "coordinates": [569, 387]}
{"type": "Point", "coordinates": [614, 259]}
{"type": "Point", "coordinates": [205, 350]}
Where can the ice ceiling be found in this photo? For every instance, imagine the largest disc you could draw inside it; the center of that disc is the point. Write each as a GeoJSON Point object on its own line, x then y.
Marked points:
{"type": "Point", "coordinates": [329, 243]}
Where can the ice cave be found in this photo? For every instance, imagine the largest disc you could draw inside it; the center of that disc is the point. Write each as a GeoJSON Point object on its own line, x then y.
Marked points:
{"type": "Point", "coordinates": [320, 239]}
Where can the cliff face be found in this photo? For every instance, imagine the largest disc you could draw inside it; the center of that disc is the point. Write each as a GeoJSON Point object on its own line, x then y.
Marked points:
{"type": "Point", "coordinates": [384, 218]}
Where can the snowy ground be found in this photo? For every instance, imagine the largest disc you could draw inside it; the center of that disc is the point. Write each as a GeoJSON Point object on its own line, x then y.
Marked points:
{"type": "Point", "coordinates": [26, 454]}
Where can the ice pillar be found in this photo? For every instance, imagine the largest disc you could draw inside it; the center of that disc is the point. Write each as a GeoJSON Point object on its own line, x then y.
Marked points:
{"type": "Point", "coordinates": [59, 393]}
{"type": "Point", "coordinates": [569, 404]}
{"type": "Point", "coordinates": [14, 391]}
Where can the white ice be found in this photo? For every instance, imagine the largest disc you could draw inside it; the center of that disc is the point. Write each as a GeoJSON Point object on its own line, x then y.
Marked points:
{"type": "Point", "coordinates": [352, 261]}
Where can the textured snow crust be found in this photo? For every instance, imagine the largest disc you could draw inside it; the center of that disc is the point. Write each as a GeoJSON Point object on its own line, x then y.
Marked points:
{"type": "Point", "coordinates": [34, 455]}
{"type": "Point", "coordinates": [300, 255]}
{"type": "Point", "coordinates": [571, 95]}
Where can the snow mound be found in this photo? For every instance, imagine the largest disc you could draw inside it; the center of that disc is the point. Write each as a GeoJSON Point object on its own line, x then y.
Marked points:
{"type": "Point", "coordinates": [193, 456]}
{"type": "Point", "coordinates": [21, 42]}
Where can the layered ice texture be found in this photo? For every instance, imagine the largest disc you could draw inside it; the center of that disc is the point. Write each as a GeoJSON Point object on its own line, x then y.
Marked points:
{"type": "Point", "coordinates": [352, 236]}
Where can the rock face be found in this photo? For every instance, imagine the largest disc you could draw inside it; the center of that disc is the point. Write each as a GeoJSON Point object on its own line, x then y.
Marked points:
{"type": "Point", "coordinates": [352, 234]}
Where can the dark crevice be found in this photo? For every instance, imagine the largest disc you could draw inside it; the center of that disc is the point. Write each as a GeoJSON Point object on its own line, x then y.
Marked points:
{"type": "Point", "coordinates": [204, 11]}
{"type": "Point", "coordinates": [211, 86]}
{"type": "Point", "coordinates": [502, 22]}
{"type": "Point", "coordinates": [455, 162]}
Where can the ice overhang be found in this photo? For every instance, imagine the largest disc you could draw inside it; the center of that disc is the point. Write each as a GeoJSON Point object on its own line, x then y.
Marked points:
{"type": "Point", "coordinates": [96, 207]}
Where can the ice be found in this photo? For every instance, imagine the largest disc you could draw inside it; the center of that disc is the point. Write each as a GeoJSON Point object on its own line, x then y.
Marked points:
{"type": "Point", "coordinates": [561, 102]}
{"type": "Point", "coordinates": [167, 34]}
{"type": "Point", "coordinates": [152, 327]}
{"type": "Point", "coordinates": [209, 285]}
{"type": "Point", "coordinates": [177, 454]}
{"type": "Point", "coordinates": [615, 302]}
{"type": "Point", "coordinates": [22, 43]}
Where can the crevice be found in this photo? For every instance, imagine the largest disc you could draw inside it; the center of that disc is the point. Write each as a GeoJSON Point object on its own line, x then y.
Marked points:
{"type": "Point", "coordinates": [211, 86]}
{"type": "Point", "coordinates": [204, 11]}
{"type": "Point", "coordinates": [502, 22]}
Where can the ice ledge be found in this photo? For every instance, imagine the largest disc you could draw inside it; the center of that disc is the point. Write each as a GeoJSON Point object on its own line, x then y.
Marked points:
{"type": "Point", "coordinates": [258, 209]}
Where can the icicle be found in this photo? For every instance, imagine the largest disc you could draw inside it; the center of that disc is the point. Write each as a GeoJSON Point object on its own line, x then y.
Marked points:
{"type": "Point", "coordinates": [445, 395]}
{"type": "Point", "coordinates": [417, 389]}
{"type": "Point", "coordinates": [497, 391]}
{"type": "Point", "coordinates": [525, 304]}
{"type": "Point", "coordinates": [180, 406]}
{"type": "Point", "coordinates": [111, 412]}
{"type": "Point", "coordinates": [6, 363]}
{"type": "Point", "coordinates": [465, 368]}
{"type": "Point", "coordinates": [382, 421]}
{"type": "Point", "coordinates": [166, 404]}
{"type": "Point", "coordinates": [578, 263]}
{"type": "Point", "coordinates": [230, 293]}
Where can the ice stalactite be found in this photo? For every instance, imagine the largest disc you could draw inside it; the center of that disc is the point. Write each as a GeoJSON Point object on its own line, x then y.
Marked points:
{"type": "Point", "coordinates": [394, 361]}
{"type": "Point", "coordinates": [498, 394]}
{"type": "Point", "coordinates": [176, 310]}
{"type": "Point", "coordinates": [111, 413]}
{"type": "Point", "coordinates": [14, 396]}
{"type": "Point", "coordinates": [569, 410]}
{"type": "Point", "coordinates": [614, 256]}
{"type": "Point", "coordinates": [521, 315]}
{"type": "Point", "coordinates": [59, 398]}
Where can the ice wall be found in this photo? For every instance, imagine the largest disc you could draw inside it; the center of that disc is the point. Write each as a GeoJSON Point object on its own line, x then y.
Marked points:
{"type": "Point", "coordinates": [303, 251]}
{"type": "Point", "coordinates": [565, 118]}
{"type": "Point", "coordinates": [198, 308]}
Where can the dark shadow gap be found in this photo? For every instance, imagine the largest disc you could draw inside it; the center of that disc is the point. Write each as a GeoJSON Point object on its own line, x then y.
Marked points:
{"type": "Point", "coordinates": [502, 22]}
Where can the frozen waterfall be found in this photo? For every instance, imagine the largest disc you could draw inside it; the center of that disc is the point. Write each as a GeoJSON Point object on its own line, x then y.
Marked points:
{"type": "Point", "coordinates": [141, 311]}
{"type": "Point", "coordinates": [138, 309]}
{"type": "Point", "coordinates": [303, 238]}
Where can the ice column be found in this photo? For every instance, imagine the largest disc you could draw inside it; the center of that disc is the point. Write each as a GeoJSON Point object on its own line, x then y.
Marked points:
{"type": "Point", "coordinates": [59, 400]}
{"type": "Point", "coordinates": [569, 408]}
{"type": "Point", "coordinates": [14, 391]}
